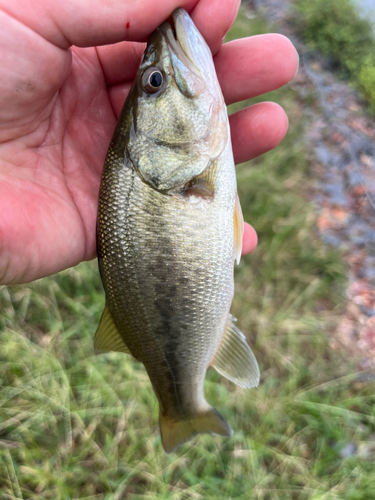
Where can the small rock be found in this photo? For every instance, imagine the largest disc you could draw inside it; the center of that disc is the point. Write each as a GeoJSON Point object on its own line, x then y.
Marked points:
{"type": "Point", "coordinates": [348, 451]}
{"type": "Point", "coordinates": [366, 450]}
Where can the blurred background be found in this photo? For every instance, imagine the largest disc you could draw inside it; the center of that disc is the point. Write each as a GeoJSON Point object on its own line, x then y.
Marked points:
{"type": "Point", "coordinates": [78, 426]}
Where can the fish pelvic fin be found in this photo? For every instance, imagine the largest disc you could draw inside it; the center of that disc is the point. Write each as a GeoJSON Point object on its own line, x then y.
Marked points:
{"type": "Point", "coordinates": [234, 359]}
{"type": "Point", "coordinates": [176, 432]}
{"type": "Point", "coordinates": [107, 337]}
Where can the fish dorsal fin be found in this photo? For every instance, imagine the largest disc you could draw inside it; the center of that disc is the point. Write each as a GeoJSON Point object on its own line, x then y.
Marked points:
{"type": "Point", "coordinates": [234, 358]}
{"type": "Point", "coordinates": [238, 225]}
{"type": "Point", "coordinates": [107, 337]}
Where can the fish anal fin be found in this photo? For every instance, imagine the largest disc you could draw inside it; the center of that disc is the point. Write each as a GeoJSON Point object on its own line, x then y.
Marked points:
{"type": "Point", "coordinates": [107, 337]}
{"type": "Point", "coordinates": [176, 432]}
{"type": "Point", "coordinates": [238, 226]}
{"type": "Point", "coordinates": [234, 358]}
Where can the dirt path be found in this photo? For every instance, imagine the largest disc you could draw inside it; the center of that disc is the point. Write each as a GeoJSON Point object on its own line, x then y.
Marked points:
{"type": "Point", "coordinates": [340, 137]}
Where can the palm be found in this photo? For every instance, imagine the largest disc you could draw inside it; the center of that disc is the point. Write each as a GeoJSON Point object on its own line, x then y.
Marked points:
{"type": "Point", "coordinates": [58, 110]}
{"type": "Point", "coordinates": [57, 179]}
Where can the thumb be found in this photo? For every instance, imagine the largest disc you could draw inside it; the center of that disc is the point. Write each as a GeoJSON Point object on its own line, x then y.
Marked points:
{"type": "Point", "coordinates": [94, 22]}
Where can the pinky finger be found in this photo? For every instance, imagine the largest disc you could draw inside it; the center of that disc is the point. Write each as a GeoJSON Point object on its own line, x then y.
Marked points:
{"type": "Point", "coordinates": [250, 239]}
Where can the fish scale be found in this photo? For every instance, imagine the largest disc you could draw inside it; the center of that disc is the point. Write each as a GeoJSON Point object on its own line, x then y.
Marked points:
{"type": "Point", "coordinates": [169, 229]}
{"type": "Point", "coordinates": [202, 246]}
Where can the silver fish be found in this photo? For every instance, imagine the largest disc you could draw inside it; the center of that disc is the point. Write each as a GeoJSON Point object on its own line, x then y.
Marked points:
{"type": "Point", "coordinates": [169, 229]}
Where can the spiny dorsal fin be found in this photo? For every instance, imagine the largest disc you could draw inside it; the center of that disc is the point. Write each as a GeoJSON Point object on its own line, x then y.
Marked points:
{"type": "Point", "coordinates": [238, 230]}
{"type": "Point", "coordinates": [234, 358]}
{"type": "Point", "coordinates": [107, 337]}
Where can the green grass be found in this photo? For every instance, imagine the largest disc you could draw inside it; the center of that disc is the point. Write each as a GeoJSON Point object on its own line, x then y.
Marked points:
{"type": "Point", "coordinates": [335, 28]}
{"type": "Point", "coordinates": [78, 426]}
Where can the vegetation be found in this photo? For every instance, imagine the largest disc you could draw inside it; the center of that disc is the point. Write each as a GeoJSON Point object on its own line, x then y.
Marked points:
{"type": "Point", "coordinates": [335, 28]}
{"type": "Point", "coordinates": [78, 426]}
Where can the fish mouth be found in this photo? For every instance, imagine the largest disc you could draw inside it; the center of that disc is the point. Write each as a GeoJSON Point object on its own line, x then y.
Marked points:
{"type": "Point", "coordinates": [184, 40]}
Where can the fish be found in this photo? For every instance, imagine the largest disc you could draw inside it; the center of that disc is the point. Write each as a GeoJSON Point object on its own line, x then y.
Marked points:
{"type": "Point", "coordinates": [169, 229]}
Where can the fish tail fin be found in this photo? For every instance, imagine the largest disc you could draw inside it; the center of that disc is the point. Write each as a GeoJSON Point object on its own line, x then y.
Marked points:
{"type": "Point", "coordinates": [176, 432]}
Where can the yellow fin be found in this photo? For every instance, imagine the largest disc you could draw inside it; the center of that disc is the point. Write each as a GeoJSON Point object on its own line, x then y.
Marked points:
{"type": "Point", "coordinates": [174, 433]}
{"type": "Point", "coordinates": [107, 337]}
{"type": "Point", "coordinates": [234, 358]}
{"type": "Point", "coordinates": [238, 224]}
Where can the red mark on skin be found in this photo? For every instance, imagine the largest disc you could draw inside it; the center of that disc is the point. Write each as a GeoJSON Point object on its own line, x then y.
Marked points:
{"type": "Point", "coordinates": [128, 25]}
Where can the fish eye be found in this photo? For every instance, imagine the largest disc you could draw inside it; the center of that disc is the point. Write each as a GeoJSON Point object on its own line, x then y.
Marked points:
{"type": "Point", "coordinates": [152, 80]}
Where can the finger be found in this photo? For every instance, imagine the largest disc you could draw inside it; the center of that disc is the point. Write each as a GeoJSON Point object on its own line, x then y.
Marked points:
{"type": "Point", "coordinates": [250, 239]}
{"type": "Point", "coordinates": [245, 68]}
{"type": "Point", "coordinates": [257, 129]}
{"type": "Point", "coordinates": [214, 18]}
{"type": "Point", "coordinates": [256, 65]}
{"type": "Point", "coordinates": [254, 130]}
{"type": "Point", "coordinates": [94, 22]}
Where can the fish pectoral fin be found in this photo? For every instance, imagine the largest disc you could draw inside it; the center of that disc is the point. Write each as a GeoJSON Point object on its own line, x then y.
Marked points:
{"type": "Point", "coordinates": [234, 358]}
{"type": "Point", "coordinates": [176, 432]}
{"type": "Point", "coordinates": [204, 184]}
{"type": "Point", "coordinates": [238, 225]}
{"type": "Point", "coordinates": [107, 337]}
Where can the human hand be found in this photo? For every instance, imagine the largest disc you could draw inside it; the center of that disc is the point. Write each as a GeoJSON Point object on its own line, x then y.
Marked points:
{"type": "Point", "coordinates": [59, 106]}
